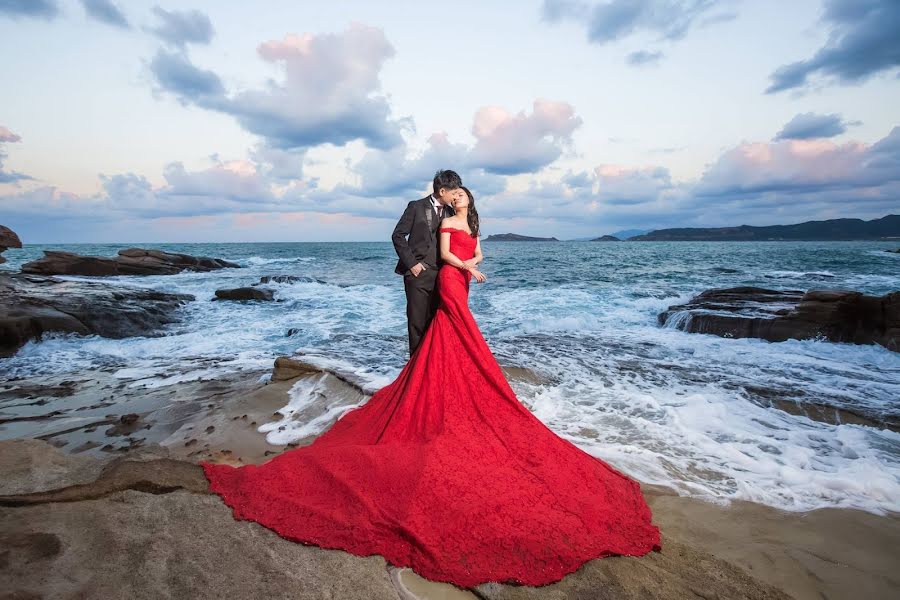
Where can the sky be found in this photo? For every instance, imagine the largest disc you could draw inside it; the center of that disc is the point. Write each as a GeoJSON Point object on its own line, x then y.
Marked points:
{"type": "Point", "coordinates": [234, 121]}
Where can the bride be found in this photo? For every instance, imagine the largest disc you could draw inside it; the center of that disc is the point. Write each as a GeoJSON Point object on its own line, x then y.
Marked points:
{"type": "Point", "coordinates": [444, 470]}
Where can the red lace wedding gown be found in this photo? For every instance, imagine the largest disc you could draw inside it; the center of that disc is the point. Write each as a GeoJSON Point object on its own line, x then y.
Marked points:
{"type": "Point", "coordinates": [446, 472]}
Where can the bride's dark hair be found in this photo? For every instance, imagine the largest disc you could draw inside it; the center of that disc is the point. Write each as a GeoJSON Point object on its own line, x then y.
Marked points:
{"type": "Point", "coordinates": [472, 216]}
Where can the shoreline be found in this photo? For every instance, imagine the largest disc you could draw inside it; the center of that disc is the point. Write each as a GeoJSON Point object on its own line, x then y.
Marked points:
{"type": "Point", "coordinates": [827, 552]}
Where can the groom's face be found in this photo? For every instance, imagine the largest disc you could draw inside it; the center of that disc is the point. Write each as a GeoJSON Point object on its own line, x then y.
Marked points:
{"type": "Point", "coordinates": [446, 196]}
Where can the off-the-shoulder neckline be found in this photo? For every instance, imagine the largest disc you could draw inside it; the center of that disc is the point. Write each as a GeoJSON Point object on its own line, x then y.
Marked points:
{"type": "Point", "coordinates": [456, 229]}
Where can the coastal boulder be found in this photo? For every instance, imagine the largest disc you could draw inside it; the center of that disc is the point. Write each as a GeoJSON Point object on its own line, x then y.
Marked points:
{"type": "Point", "coordinates": [130, 261]}
{"type": "Point", "coordinates": [244, 293]}
{"type": "Point", "coordinates": [779, 315]}
{"type": "Point", "coordinates": [31, 306]}
{"type": "Point", "coordinates": [8, 239]}
{"type": "Point", "coordinates": [287, 367]}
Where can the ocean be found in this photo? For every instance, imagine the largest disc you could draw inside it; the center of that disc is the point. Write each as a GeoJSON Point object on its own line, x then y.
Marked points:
{"type": "Point", "coordinates": [688, 411]}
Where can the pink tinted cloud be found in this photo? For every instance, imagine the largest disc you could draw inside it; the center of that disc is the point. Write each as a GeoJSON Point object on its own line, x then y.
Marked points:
{"type": "Point", "coordinates": [791, 164]}
{"type": "Point", "coordinates": [510, 144]}
{"type": "Point", "coordinates": [8, 136]}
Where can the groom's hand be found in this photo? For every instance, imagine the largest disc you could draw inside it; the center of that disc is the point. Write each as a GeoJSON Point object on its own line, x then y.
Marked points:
{"type": "Point", "coordinates": [416, 269]}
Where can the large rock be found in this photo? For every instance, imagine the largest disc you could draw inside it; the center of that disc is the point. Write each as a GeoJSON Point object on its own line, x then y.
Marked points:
{"type": "Point", "coordinates": [778, 315]}
{"type": "Point", "coordinates": [131, 261]}
{"type": "Point", "coordinates": [8, 239]}
{"type": "Point", "coordinates": [150, 529]}
{"type": "Point", "coordinates": [287, 368]}
{"type": "Point", "coordinates": [31, 306]}
{"type": "Point", "coordinates": [245, 293]}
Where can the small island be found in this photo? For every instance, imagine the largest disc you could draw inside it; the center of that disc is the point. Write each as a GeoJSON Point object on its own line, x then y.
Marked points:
{"type": "Point", "coordinates": [514, 237]}
{"type": "Point", "coordinates": [606, 238]}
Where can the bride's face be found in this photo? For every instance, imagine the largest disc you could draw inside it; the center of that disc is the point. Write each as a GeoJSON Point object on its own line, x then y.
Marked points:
{"type": "Point", "coordinates": [460, 199]}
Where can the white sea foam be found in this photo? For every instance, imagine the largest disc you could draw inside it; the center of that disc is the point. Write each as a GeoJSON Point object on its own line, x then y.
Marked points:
{"type": "Point", "coordinates": [261, 260]}
{"type": "Point", "coordinates": [310, 411]}
{"type": "Point", "coordinates": [799, 274]}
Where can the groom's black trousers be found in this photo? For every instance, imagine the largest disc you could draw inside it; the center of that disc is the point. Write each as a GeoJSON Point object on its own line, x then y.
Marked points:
{"type": "Point", "coordinates": [421, 303]}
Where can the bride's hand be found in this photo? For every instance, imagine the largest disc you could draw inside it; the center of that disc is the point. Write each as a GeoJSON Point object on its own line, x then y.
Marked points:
{"type": "Point", "coordinates": [478, 275]}
{"type": "Point", "coordinates": [468, 265]}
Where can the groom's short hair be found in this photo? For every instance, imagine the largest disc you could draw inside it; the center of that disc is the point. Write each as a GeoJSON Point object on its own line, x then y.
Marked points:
{"type": "Point", "coordinates": [446, 178]}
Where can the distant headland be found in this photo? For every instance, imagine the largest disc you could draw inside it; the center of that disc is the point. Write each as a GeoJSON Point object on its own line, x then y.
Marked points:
{"type": "Point", "coordinates": [886, 228]}
{"type": "Point", "coordinates": [514, 237]}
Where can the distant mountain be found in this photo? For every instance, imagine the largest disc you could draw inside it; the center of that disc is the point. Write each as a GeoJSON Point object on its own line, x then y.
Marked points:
{"type": "Point", "coordinates": [606, 238]}
{"type": "Point", "coordinates": [514, 237]}
{"type": "Point", "coordinates": [885, 228]}
{"type": "Point", "coordinates": [624, 234]}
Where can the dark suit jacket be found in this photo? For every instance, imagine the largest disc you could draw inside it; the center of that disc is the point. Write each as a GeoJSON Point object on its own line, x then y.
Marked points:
{"type": "Point", "coordinates": [421, 224]}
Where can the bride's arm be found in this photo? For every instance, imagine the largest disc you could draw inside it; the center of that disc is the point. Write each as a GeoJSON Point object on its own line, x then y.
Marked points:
{"type": "Point", "coordinates": [473, 262]}
{"type": "Point", "coordinates": [447, 256]}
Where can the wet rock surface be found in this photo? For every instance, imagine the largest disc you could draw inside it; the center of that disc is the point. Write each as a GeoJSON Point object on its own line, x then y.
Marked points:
{"type": "Point", "coordinates": [8, 239]}
{"type": "Point", "coordinates": [130, 261]}
{"type": "Point", "coordinates": [245, 293]}
{"type": "Point", "coordinates": [779, 315]}
{"type": "Point", "coordinates": [31, 306]}
{"type": "Point", "coordinates": [135, 519]}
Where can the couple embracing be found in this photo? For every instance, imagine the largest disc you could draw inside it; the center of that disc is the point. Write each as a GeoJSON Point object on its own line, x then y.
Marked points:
{"type": "Point", "coordinates": [422, 239]}
{"type": "Point", "coordinates": [444, 470]}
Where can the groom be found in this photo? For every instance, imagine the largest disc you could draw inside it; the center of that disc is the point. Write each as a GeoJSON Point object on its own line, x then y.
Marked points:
{"type": "Point", "coordinates": [419, 255]}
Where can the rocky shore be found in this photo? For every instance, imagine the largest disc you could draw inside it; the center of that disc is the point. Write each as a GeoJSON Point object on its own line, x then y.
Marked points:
{"type": "Point", "coordinates": [32, 306]}
{"type": "Point", "coordinates": [130, 261]}
{"type": "Point", "coordinates": [779, 315]}
{"type": "Point", "coordinates": [133, 517]}
{"type": "Point", "coordinates": [101, 495]}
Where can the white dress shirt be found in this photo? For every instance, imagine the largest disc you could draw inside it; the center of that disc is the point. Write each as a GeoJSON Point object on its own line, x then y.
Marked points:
{"type": "Point", "coordinates": [438, 207]}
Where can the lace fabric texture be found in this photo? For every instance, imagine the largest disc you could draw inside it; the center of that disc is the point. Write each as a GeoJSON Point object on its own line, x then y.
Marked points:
{"type": "Point", "coordinates": [446, 472]}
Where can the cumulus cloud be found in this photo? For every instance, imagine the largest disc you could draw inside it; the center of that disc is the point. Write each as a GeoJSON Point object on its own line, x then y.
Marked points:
{"type": "Point", "coordinates": [863, 41]}
{"type": "Point", "coordinates": [330, 92]}
{"type": "Point", "coordinates": [758, 183]}
{"type": "Point", "coordinates": [105, 12]}
{"type": "Point", "coordinates": [395, 173]}
{"type": "Point", "coordinates": [806, 126]}
{"type": "Point", "coordinates": [180, 28]}
{"type": "Point", "coordinates": [509, 144]}
{"type": "Point", "coordinates": [175, 73]}
{"type": "Point", "coordinates": [754, 182]}
{"type": "Point", "coordinates": [798, 170]}
{"type": "Point", "coordinates": [7, 136]}
{"type": "Point", "coordinates": [279, 164]}
{"type": "Point", "coordinates": [613, 20]}
{"type": "Point", "coordinates": [36, 9]}
{"type": "Point", "coordinates": [506, 144]}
